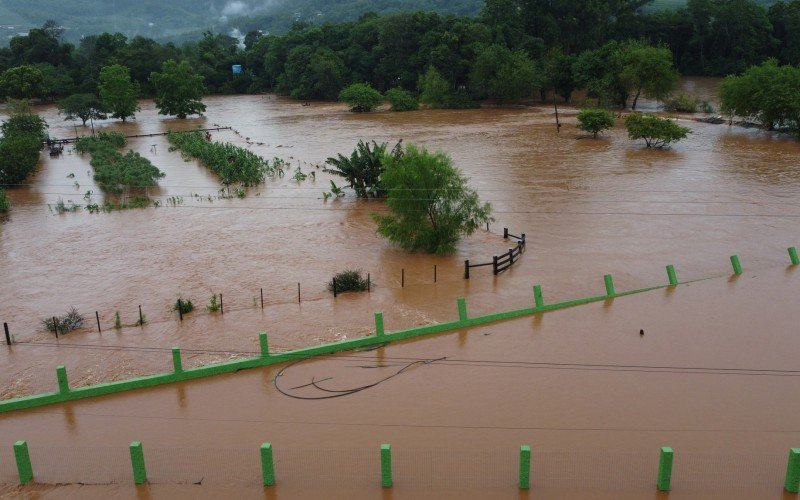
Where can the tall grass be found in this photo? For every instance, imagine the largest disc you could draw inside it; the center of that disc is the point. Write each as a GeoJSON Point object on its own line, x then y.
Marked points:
{"type": "Point", "coordinates": [5, 203]}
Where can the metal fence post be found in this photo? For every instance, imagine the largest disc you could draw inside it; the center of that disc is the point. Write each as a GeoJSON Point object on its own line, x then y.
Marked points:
{"type": "Point", "coordinates": [462, 309]}
{"type": "Point", "coordinates": [673, 278]}
{"type": "Point", "coordinates": [466, 269]}
{"type": "Point", "coordinates": [177, 365]}
{"type": "Point", "coordinates": [538, 299]}
{"type": "Point", "coordinates": [263, 342]}
{"type": "Point", "coordinates": [792, 483]}
{"type": "Point", "coordinates": [137, 462]}
{"type": "Point", "coordinates": [737, 266]}
{"type": "Point", "coordinates": [610, 292]}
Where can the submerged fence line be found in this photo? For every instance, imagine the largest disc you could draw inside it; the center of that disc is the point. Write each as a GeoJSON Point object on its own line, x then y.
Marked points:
{"type": "Point", "coordinates": [260, 468]}
{"type": "Point", "coordinates": [381, 336]}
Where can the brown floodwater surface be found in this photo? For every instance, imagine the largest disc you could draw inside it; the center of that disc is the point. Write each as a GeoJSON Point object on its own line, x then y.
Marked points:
{"type": "Point", "coordinates": [588, 208]}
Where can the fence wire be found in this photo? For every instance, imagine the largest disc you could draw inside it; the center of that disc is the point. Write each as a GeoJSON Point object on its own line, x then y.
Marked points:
{"type": "Point", "coordinates": [413, 468]}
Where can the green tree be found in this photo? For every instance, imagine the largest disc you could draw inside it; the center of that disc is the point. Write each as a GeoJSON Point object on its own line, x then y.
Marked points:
{"type": "Point", "coordinates": [361, 97]}
{"type": "Point", "coordinates": [20, 146]}
{"type": "Point", "coordinates": [363, 168]}
{"type": "Point", "coordinates": [117, 92]}
{"type": "Point", "coordinates": [767, 93]}
{"type": "Point", "coordinates": [598, 71]}
{"type": "Point", "coordinates": [648, 70]}
{"type": "Point", "coordinates": [503, 74]}
{"type": "Point", "coordinates": [81, 106]}
{"type": "Point", "coordinates": [179, 90]}
{"type": "Point", "coordinates": [5, 203]}
{"type": "Point", "coordinates": [24, 124]}
{"type": "Point", "coordinates": [595, 121]}
{"type": "Point", "coordinates": [56, 81]}
{"type": "Point", "coordinates": [656, 132]}
{"type": "Point", "coordinates": [433, 89]}
{"type": "Point", "coordinates": [402, 100]}
{"type": "Point", "coordinates": [21, 82]}
{"type": "Point", "coordinates": [430, 202]}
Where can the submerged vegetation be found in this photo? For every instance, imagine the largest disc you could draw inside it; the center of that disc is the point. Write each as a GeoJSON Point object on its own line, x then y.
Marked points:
{"type": "Point", "coordinates": [362, 169]}
{"type": "Point", "coordinates": [231, 163]}
{"type": "Point", "coordinates": [5, 203]}
{"type": "Point", "coordinates": [113, 171]}
{"type": "Point", "coordinates": [656, 132]}
{"type": "Point", "coordinates": [430, 202]}
{"type": "Point", "coordinates": [183, 305]}
{"type": "Point", "coordinates": [71, 320]}
{"type": "Point", "coordinates": [21, 142]}
{"type": "Point", "coordinates": [348, 281]}
{"type": "Point", "coordinates": [595, 121]}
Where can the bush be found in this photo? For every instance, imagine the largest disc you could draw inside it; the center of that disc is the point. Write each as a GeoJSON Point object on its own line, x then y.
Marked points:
{"type": "Point", "coordinates": [5, 204]}
{"type": "Point", "coordinates": [656, 132]}
{"type": "Point", "coordinates": [361, 97]}
{"type": "Point", "coordinates": [362, 169]}
{"type": "Point", "coordinates": [213, 304]}
{"type": "Point", "coordinates": [20, 146]}
{"type": "Point", "coordinates": [348, 281]}
{"type": "Point", "coordinates": [183, 305]}
{"type": "Point", "coordinates": [595, 121]}
{"type": "Point", "coordinates": [682, 103]}
{"type": "Point", "coordinates": [461, 99]}
{"type": "Point", "coordinates": [71, 320]}
{"type": "Point", "coordinates": [402, 100]}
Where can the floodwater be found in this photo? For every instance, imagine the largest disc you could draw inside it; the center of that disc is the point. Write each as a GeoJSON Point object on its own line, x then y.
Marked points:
{"type": "Point", "coordinates": [588, 207]}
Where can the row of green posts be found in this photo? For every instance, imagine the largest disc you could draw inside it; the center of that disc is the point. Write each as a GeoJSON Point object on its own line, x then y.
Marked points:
{"type": "Point", "coordinates": [663, 482]}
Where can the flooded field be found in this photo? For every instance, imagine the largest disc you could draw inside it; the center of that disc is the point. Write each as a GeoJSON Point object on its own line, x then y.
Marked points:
{"type": "Point", "coordinates": [588, 207]}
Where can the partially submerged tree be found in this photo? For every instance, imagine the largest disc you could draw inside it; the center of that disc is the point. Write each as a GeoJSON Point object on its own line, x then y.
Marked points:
{"type": "Point", "coordinates": [402, 100]}
{"type": "Point", "coordinates": [361, 97]}
{"type": "Point", "coordinates": [656, 132]}
{"type": "Point", "coordinates": [647, 70]}
{"type": "Point", "coordinates": [117, 92]}
{"type": "Point", "coordinates": [20, 146]}
{"type": "Point", "coordinates": [81, 106]}
{"type": "Point", "coordinates": [430, 202]}
{"type": "Point", "coordinates": [21, 82]}
{"type": "Point", "coordinates": [433, 88]}
{"type": "Point", "coordinates": [179, 90]}
{"type": "Point", "coordinates": [595, 121]}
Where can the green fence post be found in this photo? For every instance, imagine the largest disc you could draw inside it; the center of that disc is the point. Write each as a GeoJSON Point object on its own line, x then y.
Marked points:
{"type": "Point", "coordinates": [538, 299]}
{"type": "Point", "coordinates": [61, 376]}
{"type": "Point", "coordinates": [665, 469]}
{"type": "Point", "coordinates": [737, 267]}
{"type": "Point", "coordinates": [177, 365]}
{"type": "Point", "coordinates": [264, 343]}
{"type": "Point", "coordinates": [610, 292]}
{"type": "Point", "coordinates": [379, 324]}
{"type": "Point", "coordinates": [673, 278]}
{"type": "Point", "coordinates": [137, 462]}
{"type": "Point", "coordinates": [792, 483]}
{"type": "Point", "coordinates": [267, 465]}
{"type": "Point", "coordinates": [386, 465]}
{"type": "Point", "coordinates": [793, 256]}
{"type": "Point", "coordinates": [23, 462]}
{"type": "Point", "coordinates": [524, 467]}
{"type": "Point", "coordinates": [462, 309]}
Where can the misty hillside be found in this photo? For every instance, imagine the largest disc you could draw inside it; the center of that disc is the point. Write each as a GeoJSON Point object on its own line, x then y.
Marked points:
{"type": "Point", "coordinates": [179, 20]}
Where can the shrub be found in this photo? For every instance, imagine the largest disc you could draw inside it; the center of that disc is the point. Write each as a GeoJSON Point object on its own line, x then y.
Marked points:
{"type": "Point", "coordinates": [361, 97]}
{"type": "Point", "coordinates": [682, 103]}
{"type": "Point", "coordinates": [362, 169]}
{"type": "Point", "coordinates": [402, 100]}
{"type": "Point", "coordinates": [348, 281]}
{"type": "Point", "coordinates": [213, 304]}
{"type": "Point", "coordinates": [117, 321]}
{"type": "Point", "coordinates": [71, 320]}
{"type": "Point", "coordinates": [5, 204]}
{"type": "Point", "coordinates": [656, 132]}
{"type": "Point", "coordinates": [20, 146]}
{"type": "Point", "coordinates": [183, 305]}
{"type": "Point", "coordinates": [595, 121]}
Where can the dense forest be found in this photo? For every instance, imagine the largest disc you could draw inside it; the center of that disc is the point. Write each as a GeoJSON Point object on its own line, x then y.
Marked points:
{"type": "Point", "coordinates": [539, 44]}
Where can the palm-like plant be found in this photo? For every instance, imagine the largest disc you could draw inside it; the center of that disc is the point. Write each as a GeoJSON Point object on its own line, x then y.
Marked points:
{"type": "Point", "coordinates": [363, 168]}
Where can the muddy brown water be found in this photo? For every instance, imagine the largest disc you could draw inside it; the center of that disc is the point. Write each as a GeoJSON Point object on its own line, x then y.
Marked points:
{"type": "Point", "coordinates": [588, 207]}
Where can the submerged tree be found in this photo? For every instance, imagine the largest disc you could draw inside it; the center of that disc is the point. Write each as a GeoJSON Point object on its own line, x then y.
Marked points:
{"type": "Point", "coordinates": [361, 97]}
{"type": "Point", "coordinates": [595, 121]}
{"type": "Point", "coordinates": [179, 90]}
{"type": "Point", "coordinates": [81, 106]}
{"type": "Point", "coordinates": [117, 92]}
{"type": "Point", "coordinates": [656, 132]}
{"type": "Point", "coordinates": [430, 202]}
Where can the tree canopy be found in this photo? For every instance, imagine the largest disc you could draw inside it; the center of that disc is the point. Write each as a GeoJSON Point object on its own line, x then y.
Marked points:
{"type": "Point", "coordinates": [656, 132]}
{"type": "Point", "coordinates": [179, 90]}
{"type": "Point", "coordinates": [117, 92]}
{"type": "Point", "coordinates": [430, 202]}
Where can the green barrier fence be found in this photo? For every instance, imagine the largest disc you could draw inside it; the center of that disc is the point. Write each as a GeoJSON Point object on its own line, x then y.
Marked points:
{"type": "Point", "coordinates": [179, 374]}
